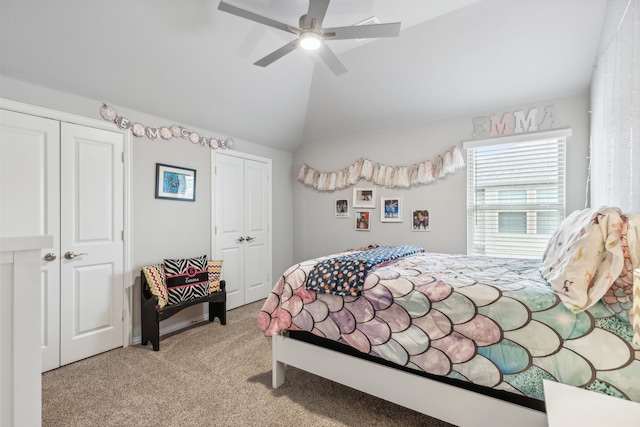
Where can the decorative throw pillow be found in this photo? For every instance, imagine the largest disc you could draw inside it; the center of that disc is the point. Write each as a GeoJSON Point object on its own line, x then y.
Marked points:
{"type": "Point", "coordinates": [155, 277]}
{"type": "Point", "coordinates": [186, 278]}
{"type": "Point", "coordinates": [584, 256]}
{"type": "Point", "coordinates": [215, 268]}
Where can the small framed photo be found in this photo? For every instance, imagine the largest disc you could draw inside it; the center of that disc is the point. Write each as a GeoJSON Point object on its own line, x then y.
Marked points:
{"type": "Point", "coordinates": [364, 197]}
{"type": "Point", "coordinates": [342, 208]}
{"type": "Point", "coordinates": [175, 183]}
{"type": "Point", "coordinates": [391, 209]}
{"type": "Point", "coordinates": [420, 220]}
{"type": "Point", "coordinates": [363, 220]}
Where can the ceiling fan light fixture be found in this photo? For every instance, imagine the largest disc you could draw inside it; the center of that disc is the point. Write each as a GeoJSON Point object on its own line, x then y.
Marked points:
{"type": "Point", "coordinates": [310, 40]}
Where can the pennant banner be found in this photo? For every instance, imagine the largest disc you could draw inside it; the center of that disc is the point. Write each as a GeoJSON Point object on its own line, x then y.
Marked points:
{"type": "Point", "coordinates": [383, 175]}
{"type": "Point", "coordinates": [164, 132]}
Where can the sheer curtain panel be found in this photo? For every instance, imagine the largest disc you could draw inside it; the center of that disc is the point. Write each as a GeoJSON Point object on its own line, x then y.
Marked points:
{"type": "Point", "coordinates": [615, 119]}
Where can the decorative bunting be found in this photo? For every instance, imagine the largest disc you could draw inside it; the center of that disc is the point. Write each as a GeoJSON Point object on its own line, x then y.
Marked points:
{"type": "Point", "coordinates": [165, 132]}
{"type": "Point", "coordinates": [383, 175]}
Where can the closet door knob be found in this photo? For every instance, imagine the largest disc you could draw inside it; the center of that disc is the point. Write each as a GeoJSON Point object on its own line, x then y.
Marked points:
{"type": "Point", "coordinates": [50, 257]}
{"type": "Point", "coordinates": [250, 239]}
{"type": "Point", "coordinates": [72, 255]}
{"type": "Point", "coordinates": [241, 239]}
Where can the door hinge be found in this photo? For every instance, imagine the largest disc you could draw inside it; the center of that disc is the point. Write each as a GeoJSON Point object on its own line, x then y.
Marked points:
{"type": "Point", "coordinates": [123, 314]}
{"type": "Point", "coordinates": [122, 234]}
{"type": "Point", "coordinates": [122, 156]}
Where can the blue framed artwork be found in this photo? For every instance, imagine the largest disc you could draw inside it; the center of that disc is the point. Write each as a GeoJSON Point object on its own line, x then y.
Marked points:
{"type": "Point", "coordinates": [175, 183]}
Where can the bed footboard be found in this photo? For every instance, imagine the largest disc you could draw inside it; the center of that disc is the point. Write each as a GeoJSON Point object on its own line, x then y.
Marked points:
{"type": "Point", "coordinates": [448, 403]}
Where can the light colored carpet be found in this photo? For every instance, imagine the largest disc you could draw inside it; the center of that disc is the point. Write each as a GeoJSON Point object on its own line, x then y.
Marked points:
{"type": "Point", "coordinates": [208, 375]}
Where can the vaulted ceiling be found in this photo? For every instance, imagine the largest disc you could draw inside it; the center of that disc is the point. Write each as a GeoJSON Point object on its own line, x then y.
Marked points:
{"type": "Point", "coordinates": [190, 63]}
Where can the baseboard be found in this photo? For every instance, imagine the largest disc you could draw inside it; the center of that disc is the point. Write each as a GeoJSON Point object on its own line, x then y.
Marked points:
{"type": "Point", "coordinates": [137, 339]}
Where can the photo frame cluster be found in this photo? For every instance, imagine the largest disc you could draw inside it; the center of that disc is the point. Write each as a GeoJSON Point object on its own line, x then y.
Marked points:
{"type": "Point", "coordinates": [364, 199]}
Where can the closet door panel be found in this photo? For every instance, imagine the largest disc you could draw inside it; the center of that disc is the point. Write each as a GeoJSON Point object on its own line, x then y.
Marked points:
{"type": "Point", "coordinates": [30, 190]}
{"type": "Point", "coordinates": [229, 227]}
{"type": "Point", "coordinates": [256, 203]}
{"type": "Point", "coordinates": [92, 281]}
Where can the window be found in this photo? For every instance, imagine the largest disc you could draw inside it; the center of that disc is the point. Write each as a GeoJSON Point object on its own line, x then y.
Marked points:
{"type": "Point", "coordinates": [515, 194]}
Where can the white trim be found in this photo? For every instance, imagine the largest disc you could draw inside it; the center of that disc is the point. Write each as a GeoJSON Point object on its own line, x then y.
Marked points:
{"type": "Point", "coordinates": [21, 357]}
{"type": "Point", "coordinates": [128, 276]}
{"type": "Point", "coordinates": [510, 139]}
{"type": "Point", "coordinates": [452, 404]}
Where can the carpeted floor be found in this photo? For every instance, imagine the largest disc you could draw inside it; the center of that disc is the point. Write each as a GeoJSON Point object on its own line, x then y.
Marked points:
{"type": "Point", "coordinates": [209, 375]}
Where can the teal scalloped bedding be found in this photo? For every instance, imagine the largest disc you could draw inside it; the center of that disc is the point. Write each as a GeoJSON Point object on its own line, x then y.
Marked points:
{"type": "Point", "coordinates": [491, 321]}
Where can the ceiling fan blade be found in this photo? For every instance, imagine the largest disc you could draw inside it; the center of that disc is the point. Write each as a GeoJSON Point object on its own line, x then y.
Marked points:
{"type": "Point", "coordinates": [277, 54]}
{"type": "Point", "coordinates": [317, 11]}
{"type": "Point", "coordinates": [331, 60]}
{"type": "Point", "coordinates": [235, 10]}
{"type": "Point", "coordinates": [362, 31]}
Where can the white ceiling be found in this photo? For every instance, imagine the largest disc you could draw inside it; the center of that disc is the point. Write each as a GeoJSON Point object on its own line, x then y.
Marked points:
{"type": "Point", "coordinates": [192, 64]}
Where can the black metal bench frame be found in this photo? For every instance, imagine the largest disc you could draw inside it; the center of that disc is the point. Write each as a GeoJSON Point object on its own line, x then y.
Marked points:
{"type": "Point", "coordinates": [152, 315]}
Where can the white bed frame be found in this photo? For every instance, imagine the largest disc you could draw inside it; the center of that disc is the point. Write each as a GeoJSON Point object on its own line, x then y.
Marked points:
{"type": "Point", "coordinates": [435, 399]}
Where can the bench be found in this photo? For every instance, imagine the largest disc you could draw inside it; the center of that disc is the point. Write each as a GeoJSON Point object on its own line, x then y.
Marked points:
{"type": "Point", "coordinates": [153, 310]}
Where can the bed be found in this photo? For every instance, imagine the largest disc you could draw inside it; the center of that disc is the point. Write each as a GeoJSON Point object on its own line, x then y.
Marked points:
{"type": "Point", "coordinates": [480, 333]}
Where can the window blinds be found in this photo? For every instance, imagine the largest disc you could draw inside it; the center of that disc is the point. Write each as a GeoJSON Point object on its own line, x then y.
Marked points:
{"type": "Point", "coordinates": [515, 195]}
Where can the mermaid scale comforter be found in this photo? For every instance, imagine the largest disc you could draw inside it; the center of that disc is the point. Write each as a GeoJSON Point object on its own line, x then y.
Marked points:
{"type": "Point", "coordinates": [490, 321]}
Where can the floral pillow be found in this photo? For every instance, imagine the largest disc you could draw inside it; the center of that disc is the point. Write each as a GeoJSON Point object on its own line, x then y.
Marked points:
{"type": "Point", "coordinates": [584, 257]}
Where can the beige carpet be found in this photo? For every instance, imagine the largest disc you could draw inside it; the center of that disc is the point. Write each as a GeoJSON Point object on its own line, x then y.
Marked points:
{"type": "Point", "coordinates": [209, 375]}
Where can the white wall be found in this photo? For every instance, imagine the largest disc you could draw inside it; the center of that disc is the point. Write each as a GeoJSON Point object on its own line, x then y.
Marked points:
{"type": "Point", "coordinates": [317, 232]}
{"type": "Point", "coordinates": [169, 229]}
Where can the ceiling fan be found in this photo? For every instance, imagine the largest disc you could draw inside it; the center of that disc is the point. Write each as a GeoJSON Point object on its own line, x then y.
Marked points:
{"type": "Point", "coordinates": [311, 35]}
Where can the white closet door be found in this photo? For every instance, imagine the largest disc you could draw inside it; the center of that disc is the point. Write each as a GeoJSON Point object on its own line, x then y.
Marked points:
{"type": "Point", "coordinates": [30, 206]}
{"type": "Point", "coordinates": [92, 282]}
{"type": "Point", "coordinates": [241, 229]}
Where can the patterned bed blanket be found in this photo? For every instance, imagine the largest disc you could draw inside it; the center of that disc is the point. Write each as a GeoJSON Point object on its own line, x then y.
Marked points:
{"type": "Point", "coordinates": [490, 321]}
{"type": "Point", "coordinates": [344, 274]}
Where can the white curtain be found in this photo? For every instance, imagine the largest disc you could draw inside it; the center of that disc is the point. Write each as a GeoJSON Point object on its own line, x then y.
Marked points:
{"type": "Point", "coordinates": [615, 118]}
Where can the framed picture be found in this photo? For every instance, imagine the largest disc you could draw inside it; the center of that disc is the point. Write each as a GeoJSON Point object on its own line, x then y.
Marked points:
{"type": "Point", "coordinates": [342, 208]}
{"type": "Point", "coordinates": [420, 220]}
{"type": "Point", "coordinates": [391, 209]}
{"type": "Point", "coordinates": [364, 197]}
{"type": "Point", "coordinates": [363, 220]}
{"type": "Point", "coordinates": [175, 183]}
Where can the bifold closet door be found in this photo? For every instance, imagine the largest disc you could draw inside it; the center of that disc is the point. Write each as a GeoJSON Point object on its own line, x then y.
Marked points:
{"type": "Point", "coordinates": [241, 227]}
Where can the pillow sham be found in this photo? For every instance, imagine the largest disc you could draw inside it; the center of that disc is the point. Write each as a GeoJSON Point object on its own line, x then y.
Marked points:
{"type": "Point", "coordinates": [155, 277]}
{"type": "Point", "coordinates": [584, 256]}
{"type": "Point", "coordinates": [214, 268]}
{"type": "Point", "coordinates": [186, 278]}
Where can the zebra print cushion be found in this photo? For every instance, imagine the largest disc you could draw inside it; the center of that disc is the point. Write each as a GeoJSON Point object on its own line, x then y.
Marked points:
{"type": "Point", "coordinates": [186, 278]}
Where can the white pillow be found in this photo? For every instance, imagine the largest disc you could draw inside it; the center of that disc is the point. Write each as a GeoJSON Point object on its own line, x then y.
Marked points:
{"type": "Point", "coordinates": [584, 256]}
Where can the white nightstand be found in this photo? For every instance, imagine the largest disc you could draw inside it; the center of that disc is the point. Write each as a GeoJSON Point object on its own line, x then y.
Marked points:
{"type": "Point", "coordinates": [569, 406]}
